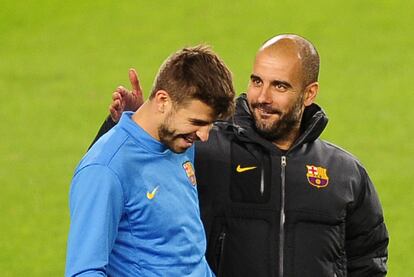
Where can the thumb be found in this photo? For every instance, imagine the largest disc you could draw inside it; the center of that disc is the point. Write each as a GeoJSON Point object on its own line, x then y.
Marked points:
{"type": "Point", "coordinates": [133, 78]}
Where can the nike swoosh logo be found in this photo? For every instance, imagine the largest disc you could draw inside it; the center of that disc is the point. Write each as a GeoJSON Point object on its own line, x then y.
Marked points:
{"type": "Point", "coordinates": [243, 169]}
{"type": "Point", "coordinates": [151, 194]}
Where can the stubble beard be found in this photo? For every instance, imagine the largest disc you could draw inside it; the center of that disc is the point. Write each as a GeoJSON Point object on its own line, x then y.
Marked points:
{"type": "Point", "coordinates": [167, 136]}
{"type": "Point", "coordinates": [282, 128]}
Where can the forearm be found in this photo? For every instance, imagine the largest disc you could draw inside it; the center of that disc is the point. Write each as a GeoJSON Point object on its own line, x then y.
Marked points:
{"type": "Point", "coordinates": [106, 126]}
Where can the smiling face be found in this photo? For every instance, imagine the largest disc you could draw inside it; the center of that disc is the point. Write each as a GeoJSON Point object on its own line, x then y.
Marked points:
{"type": "Point", "coordinates": [275, 94]}
{"type": "Point", "coordinates": [184, 124]}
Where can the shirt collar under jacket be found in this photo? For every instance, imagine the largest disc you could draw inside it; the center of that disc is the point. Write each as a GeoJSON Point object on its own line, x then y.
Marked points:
{"type": "Point", "coordinates": [140, 135]}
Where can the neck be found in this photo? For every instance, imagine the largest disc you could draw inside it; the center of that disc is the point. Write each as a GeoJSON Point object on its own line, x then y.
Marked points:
{"type": "Point", "coordinates": [287, 141]}
{"type": "Point", "coordinates": [146, 118]}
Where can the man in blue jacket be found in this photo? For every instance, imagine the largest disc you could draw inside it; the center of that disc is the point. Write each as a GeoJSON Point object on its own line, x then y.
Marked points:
{"type": "Point", "coordinates": [133, 198]}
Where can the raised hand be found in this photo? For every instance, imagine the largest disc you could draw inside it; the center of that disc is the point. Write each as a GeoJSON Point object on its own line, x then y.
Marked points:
{"type": "Point", "coordinates": [125, 100]}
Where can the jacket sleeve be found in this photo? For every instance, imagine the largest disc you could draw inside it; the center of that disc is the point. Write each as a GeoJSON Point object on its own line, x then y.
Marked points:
{"type": "Point", "coordinates": [106, 126]}
{"type": "Point", "coordinates": [366, 234]}
{"type": "Point", "coordinates": [96, 203]}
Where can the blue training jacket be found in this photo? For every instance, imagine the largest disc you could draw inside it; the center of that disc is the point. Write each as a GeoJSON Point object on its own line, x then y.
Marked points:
{"type": "Point", "coordinates": [134, 209]}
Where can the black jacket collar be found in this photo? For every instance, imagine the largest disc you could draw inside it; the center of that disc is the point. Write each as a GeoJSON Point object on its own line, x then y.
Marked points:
{"type": "Point", "coordinates": [314, 121]}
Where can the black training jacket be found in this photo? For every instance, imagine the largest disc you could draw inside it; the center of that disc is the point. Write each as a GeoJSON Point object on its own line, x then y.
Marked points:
{"type": "Point", "coordinates": [311, 211]}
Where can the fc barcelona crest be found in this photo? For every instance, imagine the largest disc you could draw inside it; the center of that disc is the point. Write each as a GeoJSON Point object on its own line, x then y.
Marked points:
{"type": "Point", "coordinates": [189, 170]}
{"type": "Point", "coordinates": [317, 176]}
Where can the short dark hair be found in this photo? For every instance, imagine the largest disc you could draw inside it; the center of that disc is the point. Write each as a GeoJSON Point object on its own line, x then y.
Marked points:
{"type": "Point", "coordinates": [197, 73]}
{"type": "Point", "coordinates": [310, 62]}
{"type": "Point", "coordinates": [309, 56]}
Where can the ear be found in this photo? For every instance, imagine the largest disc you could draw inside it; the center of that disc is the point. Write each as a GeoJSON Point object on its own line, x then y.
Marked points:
{"type": "Point", "coordinates": [162, 101]}
{"type": "Point", "coordinates": [310, 93]}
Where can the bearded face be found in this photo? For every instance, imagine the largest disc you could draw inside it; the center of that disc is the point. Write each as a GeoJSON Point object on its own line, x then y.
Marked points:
{"type": "Point", "coordinates": [273, 123]}
{"type": "Point", "coordinates": [183, 125]}
{"type": "Point", "coordinates": [276, 94]}
{"type": "Point", "coordinates": [173, 139]}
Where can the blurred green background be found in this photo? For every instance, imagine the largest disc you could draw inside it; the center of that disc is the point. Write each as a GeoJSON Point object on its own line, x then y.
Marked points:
{"type": "Point", "coordinates": [61, 60]}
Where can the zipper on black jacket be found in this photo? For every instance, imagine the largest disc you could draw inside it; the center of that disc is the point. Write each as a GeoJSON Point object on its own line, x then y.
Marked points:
{"type": "Point", "coordinates": [262, 184]}
{"type": "Point", "coordinates": [221, 240]}
{"type": "Point", "coordinates": [282, 215]}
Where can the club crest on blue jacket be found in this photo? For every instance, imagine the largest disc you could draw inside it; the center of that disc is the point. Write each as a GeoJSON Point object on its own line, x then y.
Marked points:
{"type": "Point", "coordinates": [189, 170]}
{"type": "Point", "coordinates": [317, 176]}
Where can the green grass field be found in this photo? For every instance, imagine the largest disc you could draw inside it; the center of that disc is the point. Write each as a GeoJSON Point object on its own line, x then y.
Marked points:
{"type": "Point", "coordinates": [60, 61]}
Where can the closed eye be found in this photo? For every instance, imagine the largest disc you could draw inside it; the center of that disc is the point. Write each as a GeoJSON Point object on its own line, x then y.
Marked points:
{"type": "Point", "coordinates": [199, 122]}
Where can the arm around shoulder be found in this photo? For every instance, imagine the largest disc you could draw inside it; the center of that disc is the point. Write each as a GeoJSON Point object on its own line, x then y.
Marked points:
{"type": "Point", "coordinates": [108, 124]}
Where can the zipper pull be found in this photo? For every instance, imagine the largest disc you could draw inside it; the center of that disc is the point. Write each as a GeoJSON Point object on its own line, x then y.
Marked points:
{"type": "Point", "coordinates": [220, 257]}
{"type": "Point", "coordinates": [283, 161]}
{"type": "Point", "coordinates": [262, 184]}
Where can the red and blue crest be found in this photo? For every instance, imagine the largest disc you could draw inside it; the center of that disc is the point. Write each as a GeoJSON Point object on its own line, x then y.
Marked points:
{"type": "Point", "coordinates": [189, 170]}
{"type": "Point", "coordinates": [317, 176]}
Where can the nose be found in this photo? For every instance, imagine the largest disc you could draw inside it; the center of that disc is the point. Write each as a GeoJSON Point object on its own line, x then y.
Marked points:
{"type": "Point", "coordinates": [265, 95]}
{"type": "Point", "coordinates": [203, 132]}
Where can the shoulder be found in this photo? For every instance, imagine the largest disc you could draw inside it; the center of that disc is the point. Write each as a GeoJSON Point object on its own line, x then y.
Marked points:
{"type": "Point", "coordinates": [224, 130]}
{"type": "Point", "coordinates": [219, 137]}
{"type": "Point", "coordinates": [95, 181]}
{"type": "Point", "coordinates": [339, 151]}
{"type": "Point", "coordinates": [346, 162]}
{"type": "Point", "coordinates": [105, 149]}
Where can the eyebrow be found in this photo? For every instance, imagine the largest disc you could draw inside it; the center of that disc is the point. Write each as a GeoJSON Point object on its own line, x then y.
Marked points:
{"type": "Point", "coordinates": [199, 122]}
{"type": "Point", "coordinates": [279, 82]}
{"type": "Point", "coordinates": [252, 76]}
{"type": "Point", "coordinates": [274, 82]}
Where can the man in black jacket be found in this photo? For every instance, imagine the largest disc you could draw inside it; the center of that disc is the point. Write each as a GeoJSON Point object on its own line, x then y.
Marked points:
{"type": "Point", "coordinates": [275, 199]}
